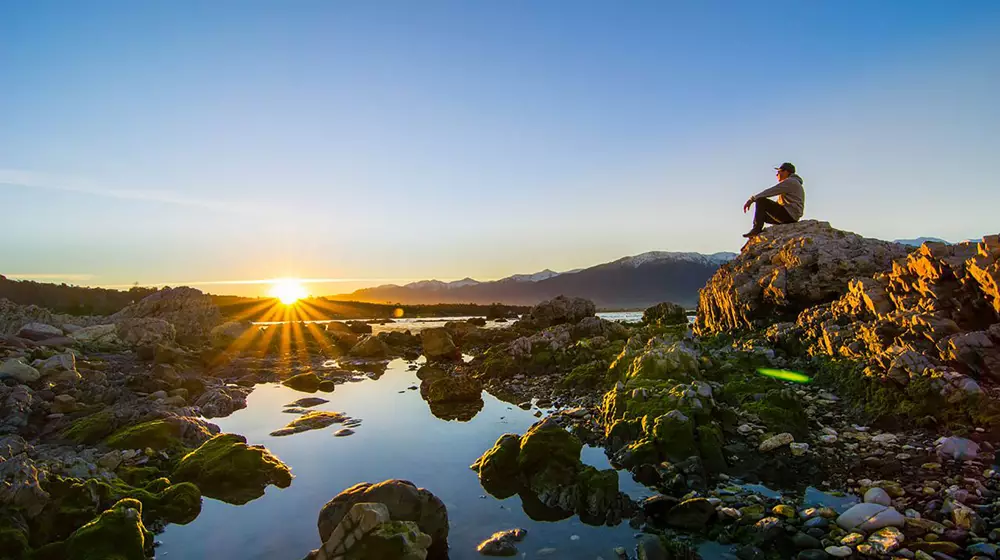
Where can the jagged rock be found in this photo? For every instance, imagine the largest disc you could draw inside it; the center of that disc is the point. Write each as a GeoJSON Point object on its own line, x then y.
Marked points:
{"type": "Point", "coordinates": [39, 331]}
{"type": "Point", "coordinates": [438, 345]}
{"type": "Point", "coordinates": [216, 402]}
{"type": "Point", "coordinates": [145, 330]}
{"type": "Point", "coordinates": [19, 486]}
{"type": "Point", "coordinates": [192, 313]}
{"type": "Point", "coordinates": [61, 367]}
{"type": "Point", "coordinates": [97, 335]}
{"type": "Point", "coordinates": [785, 270]}
{"type": "Point", "coordinates": [367, 531]}
{"type": "Point", "coordinates": [560, 310]}
{"type": "Point", "coordinates": [15, 368]}
{"type": "Point", "coordinates": [404, 502]}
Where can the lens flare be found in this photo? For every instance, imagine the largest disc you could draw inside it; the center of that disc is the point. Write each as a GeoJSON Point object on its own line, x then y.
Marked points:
{"type": "Point", "coordinates": [785, 375]}
{"type": "Point", "coordinates": [288, 290]}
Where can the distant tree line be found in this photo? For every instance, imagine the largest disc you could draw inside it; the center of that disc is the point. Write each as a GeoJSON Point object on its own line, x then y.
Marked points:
{"type": "Point", "coordinates": [78, 300]}
{"type": "Point", "coordinates": [71, 300]}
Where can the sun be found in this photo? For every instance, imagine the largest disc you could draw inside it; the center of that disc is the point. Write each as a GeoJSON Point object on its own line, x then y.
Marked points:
{"type": "Point", "coordinates": [288, 290]}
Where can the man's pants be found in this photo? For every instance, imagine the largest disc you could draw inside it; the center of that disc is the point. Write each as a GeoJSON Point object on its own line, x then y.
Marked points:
{"type": "Point", "coordinates": [769, 212]}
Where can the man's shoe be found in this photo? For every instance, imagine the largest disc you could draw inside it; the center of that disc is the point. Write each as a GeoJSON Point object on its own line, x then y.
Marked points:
{"type": "Point", "coordinates": [752, 233]}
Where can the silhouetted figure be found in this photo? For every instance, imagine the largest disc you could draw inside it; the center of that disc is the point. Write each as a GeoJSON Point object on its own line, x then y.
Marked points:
{"type": "Point", "coordinates": [791, 201]}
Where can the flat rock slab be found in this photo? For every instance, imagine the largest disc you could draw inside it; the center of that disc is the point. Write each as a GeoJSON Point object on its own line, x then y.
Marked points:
{"type": "Point", "coordinates": [313, 420]}
{"type": "Point", "coordinates": [307, 402]}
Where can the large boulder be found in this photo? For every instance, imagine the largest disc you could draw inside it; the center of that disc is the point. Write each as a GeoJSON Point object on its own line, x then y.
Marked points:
{"type": "Point", "coordinates": [117, 533]}
{"type": "Point", "coordinates": [787, 269]}
{"type": "Point", "coordinates": [39, 332]}
{"type": "Point", "coordinates": [560, 310]}
{"type": "Point", "coordinates": [227, 469]}
{"type": "Point", "coordinates": [192, 313]}
{"type": "Point", "coordinates": [144, 331]}
{"type": "Point", "coordinates": [404, 502]}
{"type": "Point", "coordinates": [15, 368]}
{"type": "Point", "coordinates": [438, 345]}
{"type": "Point", "coordinates": [14, 317]}
{"type": "Point", "coordinates": [224, 336]}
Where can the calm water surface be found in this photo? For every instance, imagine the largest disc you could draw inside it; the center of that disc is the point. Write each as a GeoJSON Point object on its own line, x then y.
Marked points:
{"type": "Point", "coordinates": [399, 438]}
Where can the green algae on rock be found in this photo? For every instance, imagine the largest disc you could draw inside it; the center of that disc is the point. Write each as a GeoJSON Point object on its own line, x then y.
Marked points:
{"type": "Point", "coordinates": [228, 469]}
{"type": "Point", "coordinates": [312, 420]}
{"type": "Point", "coordinates": [91, 428]}
{"type": "Point", "coordinates": [664, 314]}
{"type": "Point", "coordinates": [545, 463]}
{"type": "Point", "coordinates": [117, 534]}
{"type": "Point", "coordinates": [155, 434]}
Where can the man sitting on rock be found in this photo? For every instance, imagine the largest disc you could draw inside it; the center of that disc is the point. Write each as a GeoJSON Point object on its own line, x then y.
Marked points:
{"type": "Point", "coordinates": [788, 208]}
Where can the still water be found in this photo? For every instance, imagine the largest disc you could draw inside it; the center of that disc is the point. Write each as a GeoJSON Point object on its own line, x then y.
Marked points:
{"type": "Point", "coordinates": [398, 438]}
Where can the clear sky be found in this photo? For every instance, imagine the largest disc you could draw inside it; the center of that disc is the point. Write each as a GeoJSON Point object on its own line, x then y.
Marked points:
{"type": "Point", "coordinates": [377, 141]}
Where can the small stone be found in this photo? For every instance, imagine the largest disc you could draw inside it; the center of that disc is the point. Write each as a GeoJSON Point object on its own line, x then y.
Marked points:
{"type": "Point", "coordinates": [839, 551]}
{"type": "Point", "coordinates": [884, 439]}
{"type": "Point", "coordinates": [827, 438]}
{"type": "Point", "coordinates": [869, 517]}
{"type": "Point", "coordinates": [745, 429]}
{"type": "Point", "coordinates": [798, 449]}
{"type": "Point", "coordinates": [852, 539]}
{"type": "Point", "coordinates": [774, 442]}
{"type": "Point", "coordinates": [785, 511]}
{"type": "Point", "coordinates": [886, 540]}
{"type": "Point", "coordinates": [343, 432]}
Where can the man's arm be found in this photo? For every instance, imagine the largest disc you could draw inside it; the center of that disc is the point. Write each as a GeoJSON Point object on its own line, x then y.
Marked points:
{"type": "Point", "coordinates": [781, 188]}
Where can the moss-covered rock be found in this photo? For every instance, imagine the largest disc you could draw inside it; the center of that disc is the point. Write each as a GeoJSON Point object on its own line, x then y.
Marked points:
{"type": "Point", "coordinates": [117, 534]}
{"type": "Point", "coordinates": [661, 361]}
{"type": "Point", "coordinates": [500, 461]}
{"type": "Point", "coordinates": [155, 434]}
{"type": "Point", "coordinates": [546, 444]}
{"type": "Point", "coordinates": [673, 434]}
{"type": "Point", "coordinates": [92, 428]}
{"type": "Point", "coordinates": [13, 543]}
{"type": "Point", "coordinates": [228, 469]}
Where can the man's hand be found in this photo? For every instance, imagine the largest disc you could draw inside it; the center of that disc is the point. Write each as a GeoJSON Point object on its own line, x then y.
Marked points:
{"type": "Point", "coordinates": [748, 205]}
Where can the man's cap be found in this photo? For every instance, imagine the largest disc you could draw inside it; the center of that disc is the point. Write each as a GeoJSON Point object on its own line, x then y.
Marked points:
{"type": "Point", "coordinates": [786, 167]}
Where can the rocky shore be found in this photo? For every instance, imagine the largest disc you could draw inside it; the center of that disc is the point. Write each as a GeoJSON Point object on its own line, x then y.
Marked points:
{"type": "Point", "coordinates": [856, 379]}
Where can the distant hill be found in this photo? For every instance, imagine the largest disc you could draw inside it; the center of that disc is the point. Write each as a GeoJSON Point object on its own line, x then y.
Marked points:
{"type": "Point", "coordinates": [920, 241]}
{"type": "Point", "coordinates": [628, 283]}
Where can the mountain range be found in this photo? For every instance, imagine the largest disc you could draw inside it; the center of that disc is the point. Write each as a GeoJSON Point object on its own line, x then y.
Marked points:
{"type": "Point", "coordinates": [632, 282]}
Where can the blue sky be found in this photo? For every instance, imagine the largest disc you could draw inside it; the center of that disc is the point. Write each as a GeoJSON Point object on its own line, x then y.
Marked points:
{"type": "Point", "coordinates": [394, 140]}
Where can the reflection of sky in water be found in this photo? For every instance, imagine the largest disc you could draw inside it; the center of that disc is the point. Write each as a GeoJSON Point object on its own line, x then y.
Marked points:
{"type": "Point", "coordinates": [398, 438]}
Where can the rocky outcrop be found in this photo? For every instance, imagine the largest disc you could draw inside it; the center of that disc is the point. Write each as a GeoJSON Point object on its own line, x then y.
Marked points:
{"type": "Point", "coordinates": [403, 501]}
{"type": "Point", "coordinates": [785, 270]}
{"type": "Point", "coordinates": [559, 310]}
{"type": "Point", "coordinates": [192, 313]}
{"type": "Point", "coordinates": [145, 331]}
{"type": "Point", "coordinates": [664, 314]}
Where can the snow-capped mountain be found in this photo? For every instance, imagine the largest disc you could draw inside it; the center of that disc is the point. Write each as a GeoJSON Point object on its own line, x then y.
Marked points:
{"type": "Point", "coordinates": [536, 277]}
{"type": "Point", "coordinates": [631, 282]}
{"type": "Point", "coordinates": [654, 256]}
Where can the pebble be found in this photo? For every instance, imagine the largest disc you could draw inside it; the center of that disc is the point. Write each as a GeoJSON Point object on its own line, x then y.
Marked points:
{"type": "Point", "coordinates": [343, 432]}
{"type": "Point", "coordinates": [828, 438]}
{"type": "Point", "coordinates": [877, 496]}
{"type": "Point", "coordinates": [774, 442]}
{"type": "Point", "coordinates": [839, 551]}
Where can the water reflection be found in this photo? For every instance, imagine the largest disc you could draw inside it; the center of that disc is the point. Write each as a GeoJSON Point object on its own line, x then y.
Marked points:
{"type": "Point", "coordinates": [398, 439]}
